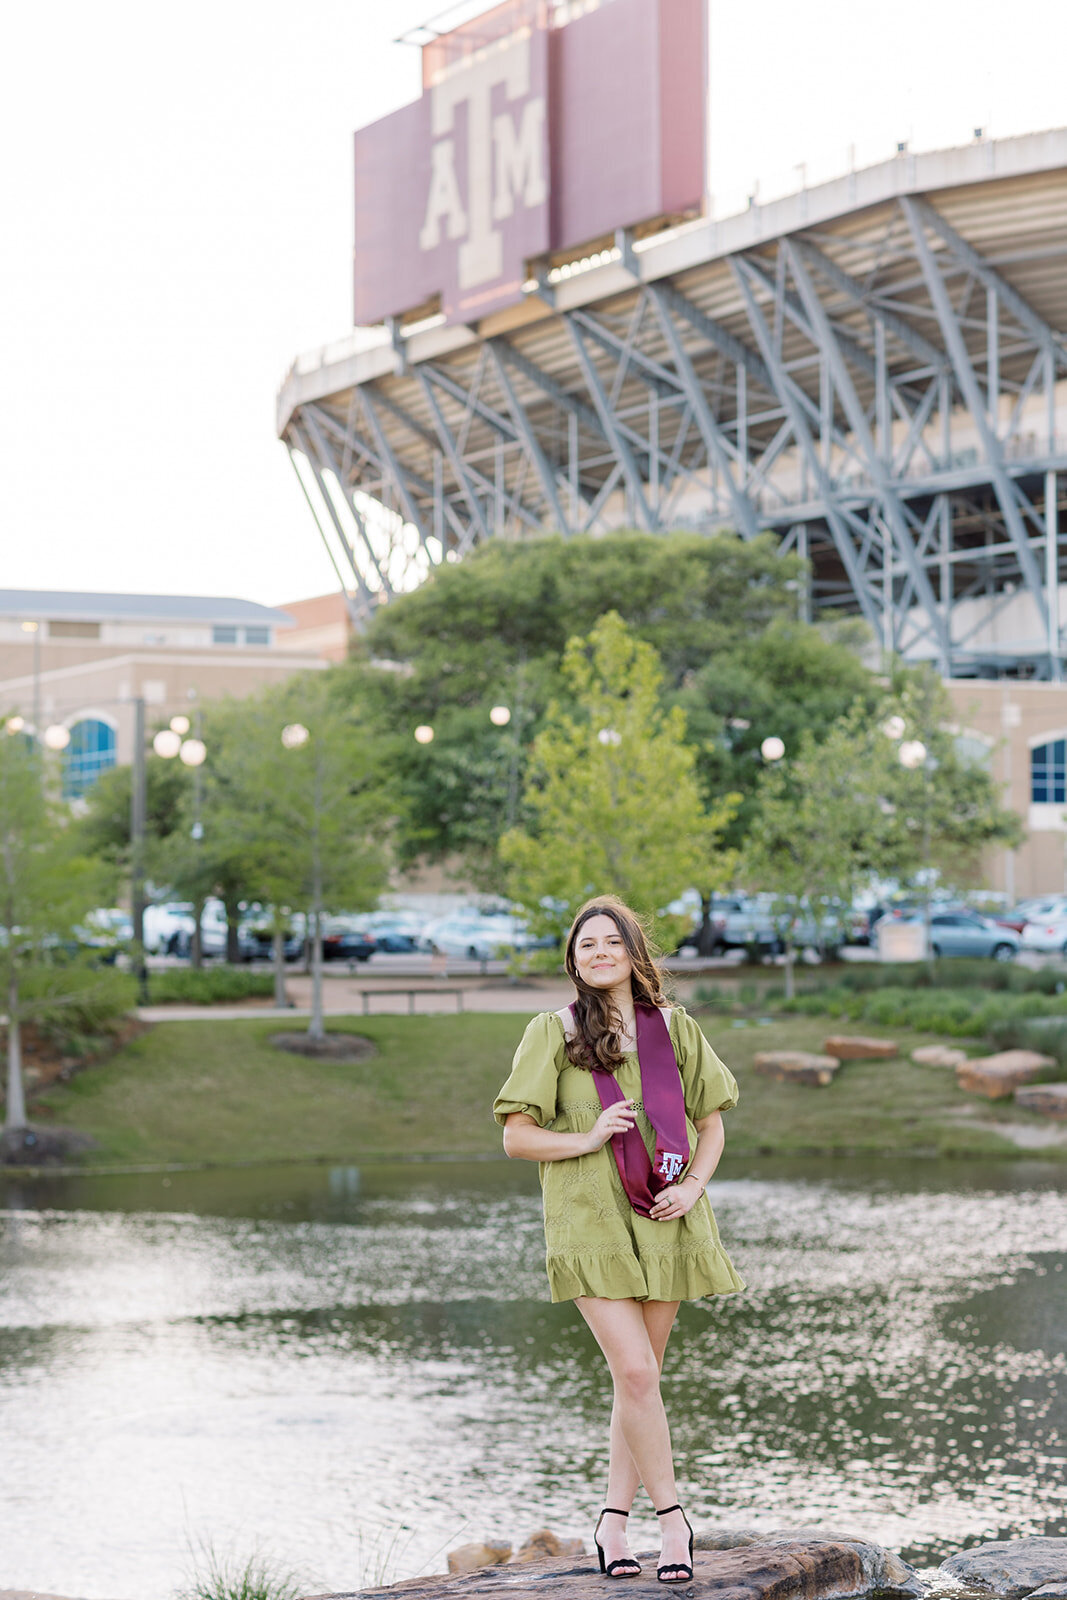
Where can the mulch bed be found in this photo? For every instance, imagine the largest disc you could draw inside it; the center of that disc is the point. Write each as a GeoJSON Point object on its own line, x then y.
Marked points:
{"type": "Point", "coordinates": [335, 1046]}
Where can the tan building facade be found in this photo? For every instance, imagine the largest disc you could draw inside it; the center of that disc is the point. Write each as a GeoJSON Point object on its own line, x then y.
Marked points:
{"type": "Point", "coordinates": [1023, 729]}
{"type": "Point", "coordinates": [321, 626]}
{"type": "Point", "coordinates": [82, 660]}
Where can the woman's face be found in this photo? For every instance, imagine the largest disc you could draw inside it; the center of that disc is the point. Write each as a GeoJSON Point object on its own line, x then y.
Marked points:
{"type": "Point", "coordinates": [600, 954]}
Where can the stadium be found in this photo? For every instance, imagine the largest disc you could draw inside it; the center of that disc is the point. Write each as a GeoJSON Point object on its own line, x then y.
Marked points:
{"type": "Point", "coordinates": [873, 371]}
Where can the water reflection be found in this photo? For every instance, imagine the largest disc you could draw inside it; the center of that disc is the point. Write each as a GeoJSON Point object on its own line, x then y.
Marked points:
{"type": "Point", "coordinates": [357, 1367]}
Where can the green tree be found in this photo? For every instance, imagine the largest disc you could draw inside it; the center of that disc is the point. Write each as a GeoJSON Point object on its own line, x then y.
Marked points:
{"type": "Point", "coordinates": [491, 630]}
{"type": "Point", "coordinates": [843, 809]}
{"type": "Point", "coordinates": [46, 888]}
{"type": "Point", "coordinates": [612, 792]}
{"type": "Point", "coordinates": [305, 818]}
{"type": "Point", "coordinates": [822, 826]}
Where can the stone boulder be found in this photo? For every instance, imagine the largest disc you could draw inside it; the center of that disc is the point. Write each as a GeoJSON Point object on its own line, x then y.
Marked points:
{"type": "Point", "coordinates": [1012, 1568]}
{"type": "Point", "coordinates": [805, 1565]}
{"type": "Point", "coordinates": [860, 1047]}
{"type": "Point", "coordinates": [1049, 1099]}
{"type": "Point", "coordinates": [796, 1066]}
{"type": "Point", "coordinates": [472, 1557]}
{"type": "Point", "coordinates": [997, 1077]}
{"type": "Point", "coordinates": [544, 1545]}
{"type": "Point", "coordinates": [938, 1055]}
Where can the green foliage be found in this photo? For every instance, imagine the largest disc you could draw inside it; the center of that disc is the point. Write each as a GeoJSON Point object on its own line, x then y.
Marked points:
{"type": "Point", "coordinates": [104, 828]}
{"type": "Point", "coordinates": [493, 629]}
{"type": "Point", "coordinates": [74, 1003]}
{"type": "Point", "coordinates": [216, 1577]}
{"type": "Point", "coordinates": [209, 985]}
{"type": "Point", "coordinates": [611, 792]}
{"type": "Point", "coordinates": [949, 974]}
{"type": "Point", "coordinates": [960, 1013]}
{"type": "Point", "coordinates": [1046, 1035]}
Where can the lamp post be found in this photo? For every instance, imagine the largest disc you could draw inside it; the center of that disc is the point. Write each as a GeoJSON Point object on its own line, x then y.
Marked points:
{"type": "Point", "coordinates": [295, 736]}
{"type": "Point", "coordinates": [913, 755]}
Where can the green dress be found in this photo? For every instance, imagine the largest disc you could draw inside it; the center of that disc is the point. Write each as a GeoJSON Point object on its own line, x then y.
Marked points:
{"type": "Point", "coordinates": [596, 1243]}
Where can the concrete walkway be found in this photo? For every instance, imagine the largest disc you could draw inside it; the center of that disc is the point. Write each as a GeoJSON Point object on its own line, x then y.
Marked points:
{"type": "Point", "coordinates": [343, 997]}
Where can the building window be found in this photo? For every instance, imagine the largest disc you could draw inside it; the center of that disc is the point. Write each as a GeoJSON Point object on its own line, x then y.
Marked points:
{"type": "Point", "coordinates": [224, 633]}
{"type": "Point", "coordinates": [73, 630]}
{"type": "Point", "coordinates": [90, 752]}
{"type": "Point", "coordinates": [1048, 773]}
{"type": "Point", "coordinates": [257, 635]}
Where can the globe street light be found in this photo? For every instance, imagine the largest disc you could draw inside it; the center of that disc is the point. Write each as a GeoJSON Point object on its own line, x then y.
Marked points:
{"type": "Point", "coordinates": [14, 724]}
{"type": "Point", "coordinates": [193, 752]}
{"type": "Point", "coordinates": [294, 734]}
{"type": "Point", "coordinates": [424, 733]}
{"type": "Point", "coordinates": [57, 737]}
{"type": "Point", "coordinates": [912, 754]}
{"type": "Point", "coordinates": [167, 743]}
{"type": "Point", "coordinates": [500, 716]}
{"type": "Point", "coordinates": [893, 727]}
{"type": "Point", "coordinates": [772, 748]}
{"type": "Point", "coordinates": [180, 725]}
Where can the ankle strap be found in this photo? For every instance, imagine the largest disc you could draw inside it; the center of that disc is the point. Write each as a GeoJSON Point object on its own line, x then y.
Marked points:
{"type": "Point", "coordinates": [614, 1511]}
{"type": "Point", "coordinates": [665, 1510]}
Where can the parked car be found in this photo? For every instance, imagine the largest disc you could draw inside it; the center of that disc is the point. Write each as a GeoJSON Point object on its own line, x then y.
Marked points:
{"type": "Point", "coordinates": [477, 938]}
{"type": "Point", "coordinates": [1047, 934]}
{"type": "Point", "coordinates": [105, 931]}
{"type": "Point", "coordinates": [967, 933]}
{"type": "Point", "coordinates": [345, 939]}
{"type": "Point", "coordinates": [1037, 909]}
{"type": "Point", "coordinates": [164, 926]}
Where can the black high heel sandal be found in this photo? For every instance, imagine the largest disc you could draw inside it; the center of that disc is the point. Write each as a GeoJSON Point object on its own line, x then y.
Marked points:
{"type": "Point", "coordinates": [609, 1568]}
{"type": "Point", "coordinates": [685, 1573]}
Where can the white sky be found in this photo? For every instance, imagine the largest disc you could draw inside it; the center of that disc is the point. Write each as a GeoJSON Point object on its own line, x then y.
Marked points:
{"type": "Point", "coordinates": [176, 226]}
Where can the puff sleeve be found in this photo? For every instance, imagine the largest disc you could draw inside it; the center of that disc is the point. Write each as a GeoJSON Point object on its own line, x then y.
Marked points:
{"type": "Point", "coordinates": [534, 1073]}
{"type": "Point", "coordinates": [707, 1084]}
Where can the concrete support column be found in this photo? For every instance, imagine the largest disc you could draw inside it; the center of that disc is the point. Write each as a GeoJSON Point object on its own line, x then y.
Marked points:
{"type": "Point", "coordinates": [1052, 575]}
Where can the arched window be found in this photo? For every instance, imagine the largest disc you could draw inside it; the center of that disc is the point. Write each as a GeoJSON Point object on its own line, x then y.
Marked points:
{"type": "Point", "coordinates": [1048, 773]}
{"type": "Point", "coordinates": [90, 752]}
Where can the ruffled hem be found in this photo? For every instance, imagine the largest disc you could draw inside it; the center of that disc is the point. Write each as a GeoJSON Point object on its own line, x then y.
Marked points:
{"type": "Point", "coordinates": [676, 1275]}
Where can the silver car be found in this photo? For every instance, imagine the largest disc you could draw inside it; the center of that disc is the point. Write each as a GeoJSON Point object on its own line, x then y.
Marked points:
{"type": "Point", "coordinates": [966, 933]}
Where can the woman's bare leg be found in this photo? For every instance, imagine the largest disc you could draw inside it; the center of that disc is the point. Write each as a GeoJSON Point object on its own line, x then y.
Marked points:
{"type": "Point", "coordinates": [633, 1338]}
{"type": "Point", "coordinates": [624, 1480]}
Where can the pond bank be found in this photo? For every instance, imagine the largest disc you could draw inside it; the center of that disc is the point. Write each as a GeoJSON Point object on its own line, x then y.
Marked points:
{"type": "Point", "coordinates": [185, 1094]}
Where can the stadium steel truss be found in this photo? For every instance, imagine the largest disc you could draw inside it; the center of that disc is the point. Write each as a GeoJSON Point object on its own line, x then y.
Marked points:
{"type": "Point", "coordinates": [873, 371]}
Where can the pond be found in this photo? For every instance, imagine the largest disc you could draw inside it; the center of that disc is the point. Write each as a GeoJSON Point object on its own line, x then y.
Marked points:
{"type": "Point", "coordinates": [353, 1370]}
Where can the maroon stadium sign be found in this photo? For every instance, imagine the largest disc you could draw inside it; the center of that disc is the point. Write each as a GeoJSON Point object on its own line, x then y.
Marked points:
{"type": "Point", "coordinates": [533, 135]}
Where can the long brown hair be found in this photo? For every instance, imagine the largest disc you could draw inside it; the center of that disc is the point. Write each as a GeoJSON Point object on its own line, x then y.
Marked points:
{"type": "Point", "coordinates": [597, 1041]}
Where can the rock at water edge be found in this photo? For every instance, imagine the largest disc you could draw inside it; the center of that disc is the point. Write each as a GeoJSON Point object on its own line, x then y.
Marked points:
{"type": "Point", "coordinates": [938, 1055]}
{"type": "Point", "coordinates": [997, 1077]}
{"type": "Point", "coordinates": [1049, 1099]}
{"type": "Point", "coordinates": [1011, 1568]}
{"type": "Point", "coordinates": [860, 1047]}
{"type": "Point", "coordinates": [796, 1066]}
{"type": "Point", "coordinates": [469, 1557]}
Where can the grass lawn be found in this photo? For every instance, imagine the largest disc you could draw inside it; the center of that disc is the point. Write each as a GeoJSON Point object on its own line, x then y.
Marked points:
{"type": "Point", "coordinates": [219, 1092]}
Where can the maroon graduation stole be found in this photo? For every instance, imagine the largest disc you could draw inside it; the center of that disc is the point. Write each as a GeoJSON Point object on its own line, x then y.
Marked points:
{"type": "Point", "coordinates": [661, 1094]}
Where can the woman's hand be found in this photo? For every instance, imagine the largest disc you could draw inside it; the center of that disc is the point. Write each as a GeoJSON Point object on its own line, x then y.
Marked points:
{"type": "Point", "coordinates": [618, 1118]}
{"type": "Point", "coordinates": [675, 1200]}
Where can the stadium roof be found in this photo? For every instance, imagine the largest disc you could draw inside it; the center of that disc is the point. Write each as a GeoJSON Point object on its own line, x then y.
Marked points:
{"type": "Point", "coordinates": [87, 606]}
{"type": "Point", "coordinates": [871, 370]}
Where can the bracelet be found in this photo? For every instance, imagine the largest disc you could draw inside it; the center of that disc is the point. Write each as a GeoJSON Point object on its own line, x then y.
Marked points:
{"type": "Point", "coordinates": [703, 1182]}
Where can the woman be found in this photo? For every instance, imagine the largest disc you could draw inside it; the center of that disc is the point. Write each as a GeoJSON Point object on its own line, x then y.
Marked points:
{"type": "Point", "coordinates": [619, 1097]}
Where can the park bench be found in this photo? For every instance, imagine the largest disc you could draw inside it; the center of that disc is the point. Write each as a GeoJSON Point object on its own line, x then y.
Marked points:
{"type": "Point", "coordinates": [411, 993]}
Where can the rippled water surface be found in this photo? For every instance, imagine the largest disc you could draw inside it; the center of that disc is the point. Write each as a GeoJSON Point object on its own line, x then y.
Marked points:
{"type": "Point", "coordinates": [356, 1369]}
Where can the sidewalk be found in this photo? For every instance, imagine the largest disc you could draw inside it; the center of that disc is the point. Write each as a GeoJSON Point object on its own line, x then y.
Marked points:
{"type": "Point", "coordinates": [343, 997]}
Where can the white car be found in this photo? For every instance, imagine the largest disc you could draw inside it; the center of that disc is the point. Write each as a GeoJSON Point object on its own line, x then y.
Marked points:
{"type": "Point", "coordinates": [1048, 934]}
{"type": "Point", "coordinates": [476, 938]}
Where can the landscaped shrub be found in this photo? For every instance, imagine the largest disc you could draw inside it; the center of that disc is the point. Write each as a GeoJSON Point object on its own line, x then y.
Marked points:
{"type": "Point", "coordinates": [76, 1005]}
{"type": "Point", "coordinates": [960, 1013]}
{"type": "Point", "coordinates": [208, 985]}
